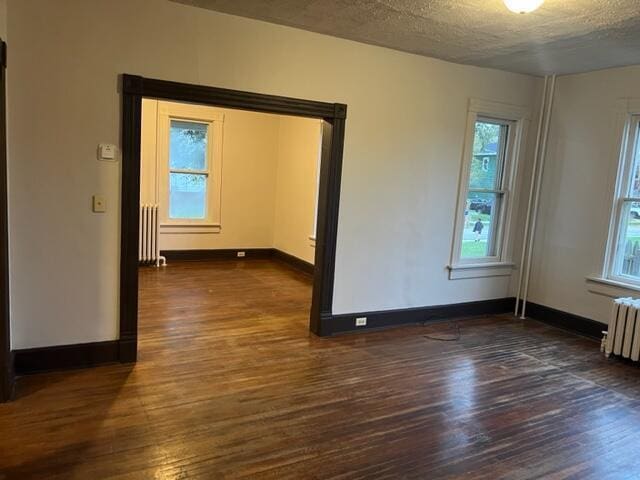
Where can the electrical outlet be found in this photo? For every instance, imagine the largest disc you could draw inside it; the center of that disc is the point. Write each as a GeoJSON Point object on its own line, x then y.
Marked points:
{"type": "Point", "coordinates": [241, 254]}
{"type": "Point", "coordinates": [107, 151]}
{"type": "Point", "coordinates": [361, 322]}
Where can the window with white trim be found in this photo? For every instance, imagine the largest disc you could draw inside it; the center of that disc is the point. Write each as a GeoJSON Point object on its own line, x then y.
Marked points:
{"type": "Point", "coordinates": [623, 263]}
{"type": "Point", "coordinates": [495, 134]}
{"type": "Point", "coordinates": [189, 170]}
{"type": "Point", "coordinates": [189, 166]}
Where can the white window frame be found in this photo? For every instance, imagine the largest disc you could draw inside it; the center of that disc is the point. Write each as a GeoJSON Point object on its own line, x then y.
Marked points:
{"type": "Point", "coordinates": [629, 123]}
{"type": "Point", "coordinates": [168, 111]}
{"type": "Point", "coordinates": [517, 118]}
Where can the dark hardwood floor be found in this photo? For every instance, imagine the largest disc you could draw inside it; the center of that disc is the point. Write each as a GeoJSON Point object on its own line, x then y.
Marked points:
{"type": "Point", "coordinates": [230, 384]}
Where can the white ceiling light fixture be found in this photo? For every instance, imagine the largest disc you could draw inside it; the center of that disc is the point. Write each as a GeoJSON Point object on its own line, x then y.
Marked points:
{"type": "Point", "coordinates": [523, 6]}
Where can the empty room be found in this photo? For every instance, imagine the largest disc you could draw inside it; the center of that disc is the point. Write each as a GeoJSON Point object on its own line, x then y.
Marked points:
{"type": "Point", "coordinates": [320, 239]}
{"type": "Point", "coordinates": [227, 225]}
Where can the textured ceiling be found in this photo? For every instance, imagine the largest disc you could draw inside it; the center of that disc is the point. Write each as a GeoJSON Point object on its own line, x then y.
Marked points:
{"type": "Point", "coordinates": [563, 36]}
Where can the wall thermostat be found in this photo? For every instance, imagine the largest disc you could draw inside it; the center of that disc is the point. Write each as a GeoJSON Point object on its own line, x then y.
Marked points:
{"type": "Point", "coordinates": [107, 151]}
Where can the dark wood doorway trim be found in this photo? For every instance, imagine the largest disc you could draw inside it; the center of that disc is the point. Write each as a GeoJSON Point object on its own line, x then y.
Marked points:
{"type": "Point", "coordinates": [134, 88]}
{"type": "Point", "coordinates": [6, 359]}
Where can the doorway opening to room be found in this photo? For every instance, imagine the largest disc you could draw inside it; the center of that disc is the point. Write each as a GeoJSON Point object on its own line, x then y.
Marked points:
{"type": "Point", "coordinates": [237, 192]}
{"type": "Point", "coordinates": [227, 218]}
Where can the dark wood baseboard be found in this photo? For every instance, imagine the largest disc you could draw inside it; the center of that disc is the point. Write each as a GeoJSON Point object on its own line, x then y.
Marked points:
{"type": "Point", "coordinates": [221, 254]}
{"type": "Point", "coordinates": [567, 321]}
{"type": "Point", "coordinates": [294, 262]}
{"type": "Point", "coordinates": [216, 254]}
{"type": "Point", "coordinates": [346, 323]}
{"type": "Point", "coordinates": [64, 357]}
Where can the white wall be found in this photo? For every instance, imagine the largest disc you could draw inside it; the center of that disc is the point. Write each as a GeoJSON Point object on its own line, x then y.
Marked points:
{"type": "Point", "coordinates": [148, 152]}
{"type": "Point", "coordinates": [249, 166]}
{"type": "Point", "coordinates": [298, 154]}
{"type": "Point", "coordinates": [577, 190]}
{"type": "Point", "coordinates": [402, 154]}
{"type": "Point", "coordinates": [3, 19]}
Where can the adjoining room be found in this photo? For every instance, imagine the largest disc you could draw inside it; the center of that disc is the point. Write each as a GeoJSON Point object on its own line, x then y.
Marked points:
{"type": "Point", "coordinates": [228, 202]}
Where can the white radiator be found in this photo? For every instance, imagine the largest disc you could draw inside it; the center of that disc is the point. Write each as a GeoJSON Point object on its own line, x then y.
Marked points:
{"type": "Point", "coordinates": [149, 249]}
{"type": "Point", "coordinates": [622, 337]}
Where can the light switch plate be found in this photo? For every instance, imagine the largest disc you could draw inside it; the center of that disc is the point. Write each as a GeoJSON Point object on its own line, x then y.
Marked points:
{"type": "Point", "coordinates": [99, 204]}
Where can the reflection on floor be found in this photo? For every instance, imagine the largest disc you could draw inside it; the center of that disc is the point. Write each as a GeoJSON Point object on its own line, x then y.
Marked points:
{"type": "Point", "coordinates": [230, 384]}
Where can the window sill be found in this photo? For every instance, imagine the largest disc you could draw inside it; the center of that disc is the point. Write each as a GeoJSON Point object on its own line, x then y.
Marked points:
{"type": "Point", "coordinates": [610, 288]}
{"type": "Point", "coordinates": [479, 270]}
{"type": "Point", "coordinates": [190, 228]}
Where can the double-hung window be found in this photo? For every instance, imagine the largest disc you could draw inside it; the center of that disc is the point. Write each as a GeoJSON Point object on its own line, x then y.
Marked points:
{"type": "Point", "coordinates": [623, 259]}
{"type": "Point", "coordinates": [189, 166]}
{"type": "Point", "coordinates": [189, 170]}
{"type": "Point", "coordinates": [495, 133]}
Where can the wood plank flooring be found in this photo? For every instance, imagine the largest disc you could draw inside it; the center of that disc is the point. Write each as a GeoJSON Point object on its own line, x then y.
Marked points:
{"type": "Point", "coordinates": [230, 384]}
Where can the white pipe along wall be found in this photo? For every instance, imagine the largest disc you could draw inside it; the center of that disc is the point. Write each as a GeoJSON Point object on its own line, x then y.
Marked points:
{"type": "Point", "coordinates": [525, 238]}
{"type": "Point", "coordinates": [537, 177]}
{"type": "Point", "coordinates": [403, 147]}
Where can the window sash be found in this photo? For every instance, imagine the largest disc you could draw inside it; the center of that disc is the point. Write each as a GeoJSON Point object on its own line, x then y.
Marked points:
{"type": "Point", "coordinates": [494, 246]}
{"type": "Point", "coordinates": [207, 125]}
{"type": "Point", "coordinates": [205, 205]}
{"type": "Point", "coordinates": [623, 256]}
{"type": "Point", "coordinates": [191, 171]}
{"type": "Point", "coordinates": [633, 159]}
{"type": "Point", "coordinates": [630, 160]}
{"type": "Point", "coordinates": [503, 169]}
{"type": "Point", "coordinates": [195, 171]}
{"type": "Point", "coordinates": [502, 148]}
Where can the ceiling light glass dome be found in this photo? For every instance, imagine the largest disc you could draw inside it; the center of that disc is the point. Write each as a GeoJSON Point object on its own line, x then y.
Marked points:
{"type": "Point", "coordinates": [523, 6]}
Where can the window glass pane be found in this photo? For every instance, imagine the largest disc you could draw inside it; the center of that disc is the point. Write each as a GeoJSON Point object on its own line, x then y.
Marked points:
{"type": "Point", "coordinates": [635, 174]}
{"type": "Point", "coordinates": [187, 195]}
{"type": "Point", "coordinates": [486, 162]}
{"type": "Point", "coordinates": [188, 145]}
{"type": "Point", "coordinates": [480, 219]}
{"type": "Point", "coordinates": [629, 263]}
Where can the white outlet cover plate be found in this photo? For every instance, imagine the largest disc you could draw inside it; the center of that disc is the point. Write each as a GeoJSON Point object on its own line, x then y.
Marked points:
{"type": "Point", "coordinates": [107, 152]}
